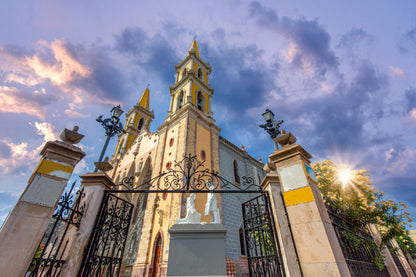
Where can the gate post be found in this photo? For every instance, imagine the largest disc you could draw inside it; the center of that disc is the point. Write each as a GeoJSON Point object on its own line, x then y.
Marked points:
{"type": "Point", "coordinates": [388, 259]}
{"type": "Point", "coordinates": [94, 183]}
{"type": "Point", "coordinates": [317, 245]}
{"type": "Point", "coordinates": [271, 184]}
{"type": "Point", "coordinates": [23, 229]}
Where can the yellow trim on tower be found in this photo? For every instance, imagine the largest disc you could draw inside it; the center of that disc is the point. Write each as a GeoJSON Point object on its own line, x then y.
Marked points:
{"type": "Point", "coordinates": [298, 196]}
{"type": "Point", "coordinates": [47, 166]}
{"type": "Point", "coordinates": [144, 99]}
{"type": "Point", "coordinates": [129, 140]}
{"type": "Point", "coordinates": [195, 87]}
{"type": "Point", "coordinates": [194, 45]}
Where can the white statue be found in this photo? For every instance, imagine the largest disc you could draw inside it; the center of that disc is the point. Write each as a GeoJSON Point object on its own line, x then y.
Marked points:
{"type": "Point", "coordinates": [192, 215]}
{"type": "Point", "coordinates": [211, 207]}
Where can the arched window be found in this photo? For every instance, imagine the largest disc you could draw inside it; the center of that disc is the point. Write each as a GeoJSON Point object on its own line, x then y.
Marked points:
{"type": "Point", "coordinates": [200, 101]}
{"type": "Point", "coordinates": [199, 73]}
{"type": "Point", "coordinates": [236, 176]}
{"type": "Point", "coordinates": [242, 244]}
{"type": "Point", "coordinates": [179, 100]}
{"type": "Point", "coordinates": [140, 124]}
{"type": "Point", "coordinates": [184, 73]}
{"type": "Point", "coordinates": [120, 146]}
{"type": "Point", "coordinates": [139, 167]}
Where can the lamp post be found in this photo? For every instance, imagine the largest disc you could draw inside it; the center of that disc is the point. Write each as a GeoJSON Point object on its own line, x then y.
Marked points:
{"type": "Point", "coordinates": [271, 126]}
{"type": "Point", "coordinates": [112, 127]}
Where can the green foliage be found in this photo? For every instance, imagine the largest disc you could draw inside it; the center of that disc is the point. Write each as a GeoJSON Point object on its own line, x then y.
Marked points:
{"type": "Point", "coordinates": [350, 192]}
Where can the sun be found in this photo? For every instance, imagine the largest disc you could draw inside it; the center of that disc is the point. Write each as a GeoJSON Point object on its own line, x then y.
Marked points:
{"type": "Point", "coordinates": [345, 176]}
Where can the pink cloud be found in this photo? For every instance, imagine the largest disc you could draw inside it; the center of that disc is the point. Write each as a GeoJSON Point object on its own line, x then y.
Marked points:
{"type": "Point", "coordinates": [403, 161]}
{"type": "Point", "coordinates": [13, 100]}
{"type": "Point", "coordinates": [24, 155]}
{"type": "Point", "coordinates": [397, 72]}
{"type": "Point", "coordinates": [64, 67]}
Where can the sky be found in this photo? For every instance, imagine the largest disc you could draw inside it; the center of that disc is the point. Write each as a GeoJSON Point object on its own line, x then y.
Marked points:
{"type": "Point", "coordinates": [341, 74]}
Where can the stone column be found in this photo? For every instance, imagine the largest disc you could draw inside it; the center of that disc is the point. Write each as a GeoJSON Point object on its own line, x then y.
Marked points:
{"type": "Point", "coordinates": [23, 230]}
{"type": "Point", "coordinates": [388, 259]}
{"type": "Point", "coordinates": [271, 184]}
{"type": "Point", "coordinates": [94, 184]}
{"type": "Point", "coordinates": [402, 259]}
{"type": "Point", "coordinates": [317, 245]}
{"type": "Point", "coordinates": [411, 261]}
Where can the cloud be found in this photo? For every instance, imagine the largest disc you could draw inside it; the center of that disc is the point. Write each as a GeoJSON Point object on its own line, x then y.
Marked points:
{"type": "Point", "coordinates": [399, 159]}
{"type": "Point", "coordinates": [397, 72]}
{"type": "Point", "coordinates": [311, 40]}
{"type": "Point", "coordinates": [408, 41]}
{"type": "Point", "coordinates": [20, 157]}
{"type": "Point", "coordinates": [80, 75]}
{"type": "Point", "coordinates": [353, 37]}
{"type": "Point", "coordinates": [151, 53]}
{"type": "Point", "coordinates": [7, 201]}
{"type": "Point", "coordinates": [45, 129]}
{"type": "Point", "coordinates": [62, 69]}
{"type": "Point", "coordinates": [14, 100]}
{"type": "Point", "coordinates": [410, 97]}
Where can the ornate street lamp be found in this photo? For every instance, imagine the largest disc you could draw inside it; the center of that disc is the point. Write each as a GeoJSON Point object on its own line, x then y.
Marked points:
{"type": "Point", "coordinates": [112, 127]}
{"type": "Point", "coordinates": [271, 126]}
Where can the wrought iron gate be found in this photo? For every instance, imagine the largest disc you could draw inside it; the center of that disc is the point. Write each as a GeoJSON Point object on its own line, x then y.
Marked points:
{"type": "Point", "coordinates": [263, 250]}
{"type": "Point", "coordinates": [52, 251]}
{"type": "Point", "coordinates": [104, 253]}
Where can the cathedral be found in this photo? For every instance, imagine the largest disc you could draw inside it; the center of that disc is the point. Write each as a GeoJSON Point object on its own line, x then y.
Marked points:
{"type": "Point", "coordinates": [189, 128]}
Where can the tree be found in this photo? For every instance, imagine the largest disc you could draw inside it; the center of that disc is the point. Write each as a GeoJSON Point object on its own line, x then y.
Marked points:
{"type": "Point", "coordinates": [350, 193]}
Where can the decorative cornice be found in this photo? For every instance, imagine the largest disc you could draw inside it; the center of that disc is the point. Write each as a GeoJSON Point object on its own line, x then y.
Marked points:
{"type": "Point", "coordinates": [189, 109]}
{"type": "Point", "coordinates": [140, 109]}
{"type": "Point", "coordinates": [190, 76]}
{"type": "Point", "coordinates": [193, 55]}
{"type": "Point", "coordinates": [238, 150]}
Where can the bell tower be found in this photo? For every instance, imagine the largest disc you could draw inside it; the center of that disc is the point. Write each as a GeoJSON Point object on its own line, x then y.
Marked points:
{"type": "Point", "coordinates": [138, 120]}
{"type": "Point", "coordinates": [192, 83]}
{"type": "Point", "coordinates": [189, 128]}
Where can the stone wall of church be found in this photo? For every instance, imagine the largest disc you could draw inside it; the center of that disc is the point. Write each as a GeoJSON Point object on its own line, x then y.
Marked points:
{"type": "Point", "coordinates": [231, 202]}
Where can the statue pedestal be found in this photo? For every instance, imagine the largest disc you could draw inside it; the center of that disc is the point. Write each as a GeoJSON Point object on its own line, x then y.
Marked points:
{"type": "Point", "coordinates": [197, 250]}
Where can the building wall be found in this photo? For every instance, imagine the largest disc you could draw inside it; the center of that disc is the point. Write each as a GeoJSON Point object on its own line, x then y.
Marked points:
{"type": "Point", "coordinates": [231, 202]}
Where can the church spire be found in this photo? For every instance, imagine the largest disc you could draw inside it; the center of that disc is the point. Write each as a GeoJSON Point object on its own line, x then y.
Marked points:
{"type": "Point", "coordinates": [194, 47]}
{"type": "Point", "coordinates": [144, 99]}
{"type": "Point", "coordinates": [192, 83]}
{"type": "Point", "coordinates": [138, 120]}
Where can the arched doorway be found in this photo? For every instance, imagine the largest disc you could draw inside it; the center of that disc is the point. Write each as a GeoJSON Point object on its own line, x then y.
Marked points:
{"type": "Point", "coordinates": [156, 256]}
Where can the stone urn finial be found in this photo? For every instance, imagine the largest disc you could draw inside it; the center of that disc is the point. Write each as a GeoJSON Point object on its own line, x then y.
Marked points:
{"type": "Point", "coordinates": [285, 139]}
{"type": "Point", "coordinates": [269, 166]}
{"type": "Point", "coordinates": [71, 137]}
{"type": "Point", "coordinates": [103, 166]}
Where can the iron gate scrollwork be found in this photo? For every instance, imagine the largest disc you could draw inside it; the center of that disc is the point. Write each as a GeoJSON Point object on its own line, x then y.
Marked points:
{"type": "Point", "coordinates": [52, 251]}
{"type": "Point", "coordinates": [104, 253]}
{"type": "Point", "coordinates": [263, 250]}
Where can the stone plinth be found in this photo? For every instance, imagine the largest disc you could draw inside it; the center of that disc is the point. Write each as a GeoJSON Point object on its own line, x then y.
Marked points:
{"type": "Point", "coordinates": [94, 183]}
{"type": "Point", "coordinates": [316, 242]}
{"type": "Point", "coordinates": [23, 230]}
{"type": "Point", "coordinates": [197, 250]}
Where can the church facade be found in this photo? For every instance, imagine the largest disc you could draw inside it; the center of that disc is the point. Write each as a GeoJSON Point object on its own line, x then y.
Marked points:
{"type": "Point", "coordinates": [189, 128]}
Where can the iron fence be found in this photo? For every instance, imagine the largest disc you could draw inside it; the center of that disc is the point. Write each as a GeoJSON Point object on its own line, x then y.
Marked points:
{"type": "Point", "coordinates": [358, 246]}
{"type": "Point", "coordinates": [104, 253]}
{"type": "Point", "coordinates": [51, 253]}
{"type": "Point", "coordinates": [263, 250]}
{"type": "Point", "coordinates": [394, 254]}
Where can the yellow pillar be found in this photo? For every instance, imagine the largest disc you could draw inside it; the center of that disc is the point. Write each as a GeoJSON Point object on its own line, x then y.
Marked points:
{"type": "Point", "coordinates": [316, 242]}
{"type": "Point", "coordinates": [22, 231]}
